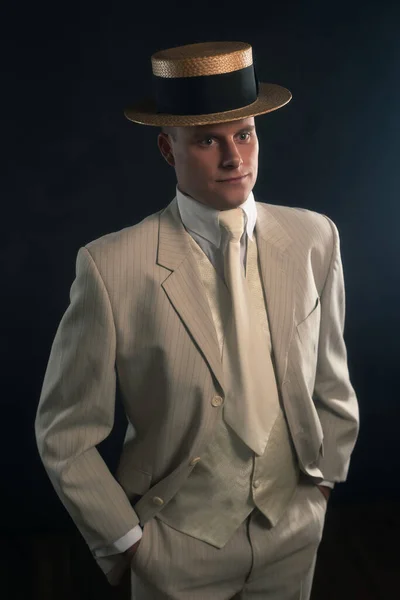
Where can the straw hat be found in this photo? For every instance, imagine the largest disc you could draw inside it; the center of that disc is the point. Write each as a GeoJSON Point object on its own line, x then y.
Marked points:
{"type": "Point", "coordinates": [209, 82]}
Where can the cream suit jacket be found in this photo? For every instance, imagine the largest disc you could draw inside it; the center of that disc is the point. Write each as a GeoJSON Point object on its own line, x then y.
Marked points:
{"type": "Point", "coordinates": [139, 318]}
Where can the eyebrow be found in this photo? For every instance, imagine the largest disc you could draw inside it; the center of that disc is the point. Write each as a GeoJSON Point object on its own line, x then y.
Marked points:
{"type": "Point", "coordinates": [210, 133]}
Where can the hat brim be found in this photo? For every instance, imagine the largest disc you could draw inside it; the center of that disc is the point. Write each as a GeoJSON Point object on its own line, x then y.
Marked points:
{"type": "Point", "coordinates": [270, 97]}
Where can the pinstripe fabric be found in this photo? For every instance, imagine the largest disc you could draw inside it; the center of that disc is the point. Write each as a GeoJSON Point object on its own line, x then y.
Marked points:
{"type": "Point", "coordinates": [139, 317]}
{"type": "Point", "coordinates": [257, 562]}
{"type": "Point", "coordinates": [229, 480]}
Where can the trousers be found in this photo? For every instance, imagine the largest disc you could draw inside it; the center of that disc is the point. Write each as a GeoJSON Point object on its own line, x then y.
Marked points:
{"type": "Point", "coordinates": [258, 562]}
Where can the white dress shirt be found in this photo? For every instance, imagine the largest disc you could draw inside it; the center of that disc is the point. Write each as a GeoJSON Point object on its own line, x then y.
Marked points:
{"type": "Point", "coordinates": [201, 221]}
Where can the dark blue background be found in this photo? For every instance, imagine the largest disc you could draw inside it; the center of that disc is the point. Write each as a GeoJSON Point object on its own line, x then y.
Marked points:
{"type": "Point", "coordinates": [74, 169]}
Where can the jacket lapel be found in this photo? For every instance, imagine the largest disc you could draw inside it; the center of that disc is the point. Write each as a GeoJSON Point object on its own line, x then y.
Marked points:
{"type": "Point", "coordinates": [186, 292]}
{"type": "Point", "coordinates": [278, 273]}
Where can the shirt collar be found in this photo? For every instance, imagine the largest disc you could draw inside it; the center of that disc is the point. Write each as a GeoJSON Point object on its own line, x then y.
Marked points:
{"type": "Point", "coordinates": [203, 220]}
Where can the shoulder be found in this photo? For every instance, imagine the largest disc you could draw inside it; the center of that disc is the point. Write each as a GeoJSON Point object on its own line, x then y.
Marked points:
{"type": "Point", "coordinates": [314, 238]}
{"type": "Point", "coordinates": [306, 228]}
{"type": "Point", "coordinates": [291, 218]}
{"type": "Point", "coordinates": [127, 241]}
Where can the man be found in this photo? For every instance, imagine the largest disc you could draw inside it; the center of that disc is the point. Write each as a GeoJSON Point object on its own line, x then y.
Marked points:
{"type": "Point", "coordinates": [221, 319]}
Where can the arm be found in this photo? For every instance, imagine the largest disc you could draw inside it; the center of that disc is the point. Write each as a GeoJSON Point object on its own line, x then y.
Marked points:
{"type": "Point", "coordinates": [122, 544]}
{"type": "Point", "coordinates": [334, 396]}
{"type": "Point", "coordinates": [115, 559]}
{"type": "Point", "coordinates": [76, 412]}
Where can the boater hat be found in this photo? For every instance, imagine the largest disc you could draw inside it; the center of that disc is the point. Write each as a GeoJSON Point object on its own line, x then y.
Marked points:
{"type": "Point", "coordinates": [209, 82]}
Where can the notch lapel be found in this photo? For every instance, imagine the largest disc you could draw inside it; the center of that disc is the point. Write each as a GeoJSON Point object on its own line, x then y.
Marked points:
{"type": "Point", "coordinates": [278, 274]}
{"type": "Point", "coordinates": [186, 292]}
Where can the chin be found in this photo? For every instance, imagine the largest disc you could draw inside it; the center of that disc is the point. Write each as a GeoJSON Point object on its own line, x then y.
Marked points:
{"type": "Point", "coordinates": [235, 196]}
{"type": "Point", "coordinates": [223, 200]}
{"type": "Point", "coordinates": [232, 202]}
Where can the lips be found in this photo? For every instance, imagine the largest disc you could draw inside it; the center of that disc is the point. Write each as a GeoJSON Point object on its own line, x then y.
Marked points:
{"type": "Point", "coordinates": [233, 179]}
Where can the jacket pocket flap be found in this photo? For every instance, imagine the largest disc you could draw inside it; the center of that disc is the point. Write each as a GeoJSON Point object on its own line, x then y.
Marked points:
{"type": "Point", "coordinates": [308, 315]}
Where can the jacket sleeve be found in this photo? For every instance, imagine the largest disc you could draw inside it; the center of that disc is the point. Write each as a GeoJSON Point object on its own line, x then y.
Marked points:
{"type": "Point", "coordinates": [76, 412]}
{"type": "Point", "coordinates": [122, 543]}
{"type": "Point", "coordinates": [334, 396]}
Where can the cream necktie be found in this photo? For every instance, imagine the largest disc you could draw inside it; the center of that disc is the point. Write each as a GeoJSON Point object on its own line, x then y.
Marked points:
{"type": "Point", "coordinates": [252, 403]}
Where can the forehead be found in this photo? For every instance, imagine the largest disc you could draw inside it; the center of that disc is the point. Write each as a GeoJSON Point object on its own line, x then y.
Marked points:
{"type": "Point", "coordinates": [219, 128]}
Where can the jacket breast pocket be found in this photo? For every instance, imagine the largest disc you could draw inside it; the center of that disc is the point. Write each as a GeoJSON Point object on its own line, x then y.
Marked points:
{"type": "Point", "coordinates": [305, 351]}
{"type": "Point", "coordinates": [308, 329]}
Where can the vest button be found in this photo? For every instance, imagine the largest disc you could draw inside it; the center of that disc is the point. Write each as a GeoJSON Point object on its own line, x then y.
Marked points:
{"type": "Point", "coordinates": [256, 483]}
{"type": "Point", "coordinates": [194, 461]}
{"type": "Point", "coordinates": [158, 501]}
{"type": "Point", "coordinates": [217, 401]}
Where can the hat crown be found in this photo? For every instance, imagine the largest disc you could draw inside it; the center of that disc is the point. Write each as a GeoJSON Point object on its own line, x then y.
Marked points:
{"type": "Point", "coordinates": [205, 82]}
{"type": "Point", "coordinates": [202, 59]}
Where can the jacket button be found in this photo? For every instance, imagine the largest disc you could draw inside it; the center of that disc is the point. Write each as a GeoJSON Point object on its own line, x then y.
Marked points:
{"type": "Point", "coordinates": [217, 401]}
{"type": "Point", "coordinates": [194, 461]}
{"type": "Point", "coordinates": [256, 483]}
{"type": "Point", "coordinates": [158, 501]}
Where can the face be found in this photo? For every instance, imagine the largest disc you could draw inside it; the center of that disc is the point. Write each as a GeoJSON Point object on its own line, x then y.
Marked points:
{"type": "Point", "coordinates": [205, 155]}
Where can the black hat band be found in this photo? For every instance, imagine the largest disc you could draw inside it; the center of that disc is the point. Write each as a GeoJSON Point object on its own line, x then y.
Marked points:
{"type": "Point", "coordinates": [206, 94]}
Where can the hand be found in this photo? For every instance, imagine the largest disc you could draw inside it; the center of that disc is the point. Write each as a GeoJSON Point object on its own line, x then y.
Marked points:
{"type": "Point", "coordinates": [130, 552]}
{"type": "Point", "coordinates": [119, 569]}
{"type": "Point", "coordinates": [115, 576]}
{"type": "Point", "coordinates": [325, 490]}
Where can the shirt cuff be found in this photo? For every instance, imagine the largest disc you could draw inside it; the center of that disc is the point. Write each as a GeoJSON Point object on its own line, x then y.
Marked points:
{"type": "Point", "coordinates": [329, 484]}
{"type": "Point", "coordinates": [122, 544]}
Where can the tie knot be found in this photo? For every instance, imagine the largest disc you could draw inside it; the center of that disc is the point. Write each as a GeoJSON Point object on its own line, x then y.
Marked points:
{"type": "Point", "coordinates": [233, 221]}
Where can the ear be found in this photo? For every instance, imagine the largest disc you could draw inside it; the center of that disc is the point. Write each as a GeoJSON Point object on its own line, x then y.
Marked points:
{"type": "Point", "coordinates": [165, 147]}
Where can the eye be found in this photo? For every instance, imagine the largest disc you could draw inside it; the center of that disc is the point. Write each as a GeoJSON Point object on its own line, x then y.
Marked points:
{"type": "Point", "coordinates": [211, 138]}
{"type": "Point", "coordinates": [205, 140]}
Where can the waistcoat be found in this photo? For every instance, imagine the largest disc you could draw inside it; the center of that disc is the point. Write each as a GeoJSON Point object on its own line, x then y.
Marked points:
{"type": "Point", "coordinates": [230, 480]}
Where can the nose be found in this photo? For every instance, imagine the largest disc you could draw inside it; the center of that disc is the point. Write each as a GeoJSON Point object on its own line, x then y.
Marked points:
{"type": "Point", "coordinates": [231, 156]}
